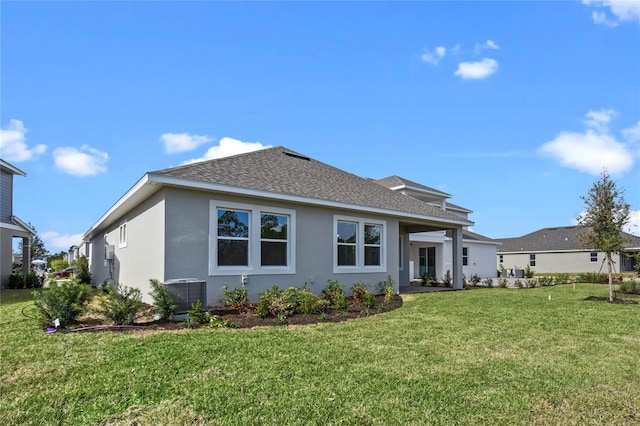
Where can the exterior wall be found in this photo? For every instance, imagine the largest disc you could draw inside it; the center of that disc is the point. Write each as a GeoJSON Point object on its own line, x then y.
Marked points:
{"type": "Point", "coordinates": [188, 246]}
{"type": "Point", "coordinates": [479, 260]}
{"type": "Point", "coordinates": [6, 196]}
{"type": "Point", "coordinates": [143, 256]}
{"type": "Point", "coordinates": [563, 262]}
{"type": "Point", "coordinates": [5, 256]}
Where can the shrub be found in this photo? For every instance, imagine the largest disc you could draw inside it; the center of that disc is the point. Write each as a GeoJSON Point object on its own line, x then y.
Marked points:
{"type": "Point", "coordinates": [216, 322]}
{"type": "Point", "coordinates": [563, 279]}
{"type": "Point", "coordinates": [629, 287]}
{"type": "Point", "coordinates": [531, 283]}
{"type": "Point", "coordinates": [59, 264]}
{"type": "Point", "coordinates": [263, 308]}
{"type": "Point", "coordinates": [518, 283]}
{"type": "Point", "coordinates": [334, 293]}
{"type": "Point", "coordinates": [360, 291]}
{"type": "Point", "coordinates": [121, 303]}
{"type": "Point", "coordinates": [64, 302]}
{"type": "Point", "coordinates": [547, 281]}
{"type": "Point", "coordinates": [236, 298]}
{"type": "Point", "coordinates": [308, 302]}
{"type": "Point", "coordinates": [83, 274]}
{"type": "Point", "coordinates": [528, 272]}
{"type": "Point", "coordinates": [16, 280]}
{"type": "Point", "coordinates": [503, 282]}
{"type": "Point", "coordinates": [593, 277]}
{"type": "Point", "coordinates": [369, 301]}
{"type": "Point", "coordinates": [475, 279]}
{"type": "Point", "coordinates": [447, 280]}
{"type": "Point", "coordinates": [488, 282]}
{"type": "Point", "coordinates": [164, 302]}
{"type": "Point", "coordinates": [386, 287]}
{"type": "Point", "coordinates": [196, 315]}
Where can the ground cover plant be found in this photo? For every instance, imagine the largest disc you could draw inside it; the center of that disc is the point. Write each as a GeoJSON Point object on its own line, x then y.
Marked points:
{"type": "Point", "coordinates": [548, 355]}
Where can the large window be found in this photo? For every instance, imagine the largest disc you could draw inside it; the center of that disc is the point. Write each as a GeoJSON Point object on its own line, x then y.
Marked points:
{"type": "Point", "coordinates": [359, 245]}
{"type": "Point", "coordinates": [250, 238]}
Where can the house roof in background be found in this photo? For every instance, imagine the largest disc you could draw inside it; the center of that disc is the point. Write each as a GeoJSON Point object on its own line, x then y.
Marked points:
{"type": "Point", "coordinates": [11, 168]}
{"type": "Point", "coordinates": [398, 183]}
{"type": "Point", "coordinates": [562, 238]}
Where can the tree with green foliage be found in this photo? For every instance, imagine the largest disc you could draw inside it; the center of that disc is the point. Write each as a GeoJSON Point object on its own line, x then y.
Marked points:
{"type": "Point", "coordinates": [605, 217]}
{"type": "Point", "coordinates": [36, 245]}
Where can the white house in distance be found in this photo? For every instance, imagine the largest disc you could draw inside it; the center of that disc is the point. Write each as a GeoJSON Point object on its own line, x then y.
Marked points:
{"type": "Point", "coordinates": [560, 250]}
{"type": "Point", "coordinates": [430, 252]}
{"type": "Point", "coordinates": [11, 226]}
{"type": "Point", "coordinates": [266, 217]}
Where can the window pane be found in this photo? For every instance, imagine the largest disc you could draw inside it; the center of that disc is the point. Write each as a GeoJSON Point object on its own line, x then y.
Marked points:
{"type": "Point", "coordinates": [273, 227]}
{"type": "Point", "coordinates": [347, 232]}
{"type": "Point", "coordinates": [273, 253]}
{"type": "Point", "coordinates": [346, 255]}
{"type": "Point", "coordinates": [372, 256]}
{"type": "Point", "coordinates": [233, 253]}
{"type": "Point", "coordinates": [372, 234]}
{"type": "Point", "coordinates": [232, 223]}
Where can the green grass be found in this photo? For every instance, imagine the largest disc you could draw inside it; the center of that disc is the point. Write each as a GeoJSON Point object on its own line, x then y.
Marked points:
{"type": "Point", "coordinates": [493, 356]}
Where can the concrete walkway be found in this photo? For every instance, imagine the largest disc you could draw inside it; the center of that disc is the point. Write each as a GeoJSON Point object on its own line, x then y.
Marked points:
{"type": "Point", "coordinates": [413, 289]}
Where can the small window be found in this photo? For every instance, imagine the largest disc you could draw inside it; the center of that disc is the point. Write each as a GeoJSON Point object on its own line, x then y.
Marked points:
{"type": "Point", "coordinates": [273, 239]}
{"type": "Point", "coordinates": [594, 257]}
{"type": "Point", "coordinates": [532, 260]}
{"type": "Point", "coordinates": [233, 237]}
{"type": "Point", "coordinates": [372, 245]}
{"type": "Point", "coordinates": [501, 258]}
{"type": "Point", "coordinates": [123, 235]}
{"type": "Point", "coordinates": [465, 256]}
{"type": "Point", "coordinates": [347, 243]}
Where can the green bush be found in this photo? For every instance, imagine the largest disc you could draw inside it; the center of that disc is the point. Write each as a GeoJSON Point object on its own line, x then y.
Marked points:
{"type": "Point", "coordinates": [164, 302]}
{"type": "Point", "coordinates": [59, 264]}
{"type": "Point", "coordinates": [308, 302]}
{"type": "Point", "coordinates": [386, 287]}
{"type": "Point", "coordinates": [528, 272]}
{"type": "Point", "coordinates": [236, 298]}
{"type": "Point", "coordinates": [278, 303]}
{"type": "Point", "coordinates": [64, 302]}
{"type": "Point", "coordinates": [475, 279]}
{"type": "Point", "coordinates": [263, 308]}
{"type": "Point", "coordinates": [518, 283]}
{"type": "Point", "coordinates": [593, 278]}
{"type": "Point", "coordinates": [121, 303]}
{"type": "Point", "coordinates": [360, 291]}
{"type": "Point", "coordinates": [488, 282]}
{"type": "Point", "coordinates": [503, 282]}
{"type": "Point", "coordinates": [196, 315]}
{"type": "Point", "coordinates": [629, 287]}
{"type": "Point", "coordinates": [532, 283]}
{"type": "Point", "coordinates": [547, 281]}
{"type": "Point", "coordinates": [334, 293]}
{"type": "Point", "coordinates": [563, 279]}
{"type": "Point", "coordinates": [369, 301]}
{"type": "Point", "coordinates": [16, 280]}
{"type": "Point", "coordinates": [82, 264]}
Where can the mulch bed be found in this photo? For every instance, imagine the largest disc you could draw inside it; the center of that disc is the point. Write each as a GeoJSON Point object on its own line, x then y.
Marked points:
{"type": "Point", "coordinates": [244, 319]}
{"type": "Point", "coordinates": [616, 300]}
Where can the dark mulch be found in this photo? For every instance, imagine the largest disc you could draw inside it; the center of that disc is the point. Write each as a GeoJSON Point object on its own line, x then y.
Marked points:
{"type": "Point", "coordinates": [616, 300]}
{"type": "Point", "coordinates": [247, 319]}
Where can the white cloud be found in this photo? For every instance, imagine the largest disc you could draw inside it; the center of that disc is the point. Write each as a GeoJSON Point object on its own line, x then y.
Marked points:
{"type": "Point", "coordinates": [595, 149]}
{"type": "Point", "coordinates": [633, 227]}
{"type": "Point", "coordinates": [227, 147]}
{"type": "Point", "coordinates": [487, 45]}
{"type": "Point", "coordinates": [477, 70]}
{"type": "Point", "coordinates": [13, 146]}
{"type": "Point", "coordinates": [84, 162]}
{"type": "Point", "coordinates": [435, 56]}
{"type": "Point", "coordinates": [55, 242]}
{"type": "Point", "coordinates": [632, 134]}
{"type": "Point", "coordinates": [622, 10]}
{"type": "Point", "coordinates": [599, 120]}
{"type": "Point", "coordinates": [182, 142]}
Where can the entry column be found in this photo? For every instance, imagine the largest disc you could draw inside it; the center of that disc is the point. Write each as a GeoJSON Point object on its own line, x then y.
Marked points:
{"type": "Point", "coordinates": [456, 240]}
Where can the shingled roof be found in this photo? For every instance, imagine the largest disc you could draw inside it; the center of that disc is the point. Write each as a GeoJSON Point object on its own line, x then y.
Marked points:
{"type": "Point", "coordinates": [395, 182]}
{"type": "Point", "coordinates": [282, 171]}
{"type": "Point", "coordinates": [565, 238]}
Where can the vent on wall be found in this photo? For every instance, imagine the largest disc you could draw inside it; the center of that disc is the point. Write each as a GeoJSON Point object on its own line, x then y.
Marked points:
{"type": "Point", "coordinates": [187, 291]}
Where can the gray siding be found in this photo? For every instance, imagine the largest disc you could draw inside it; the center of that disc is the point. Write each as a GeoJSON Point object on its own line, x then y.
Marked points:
{"type": "Point", "coordinates": [6, 196]}
{"type": "Point", "coordinates": [561, 262]}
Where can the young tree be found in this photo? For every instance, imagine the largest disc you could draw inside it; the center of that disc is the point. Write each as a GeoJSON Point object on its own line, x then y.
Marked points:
{"type": "Point", "coordinates": [36, 245]}
{"type": "Point", "coordinates": [605, 217]}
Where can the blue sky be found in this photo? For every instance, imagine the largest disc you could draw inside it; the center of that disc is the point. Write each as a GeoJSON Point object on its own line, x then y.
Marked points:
{"type": "Point", "coordinates": [514, 108]}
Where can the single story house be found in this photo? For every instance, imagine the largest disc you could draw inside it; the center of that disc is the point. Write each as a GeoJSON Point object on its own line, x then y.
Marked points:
{"type": "Point", "coordinates": [11, 226]}
{"type": "Point", "coordinates": [267, 217]}
{"type": "Point", "coordinates": [430, 252]}
{"type": "Point", "coordinates": [560, 250]}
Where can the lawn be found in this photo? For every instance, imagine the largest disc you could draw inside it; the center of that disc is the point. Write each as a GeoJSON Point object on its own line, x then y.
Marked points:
{"type": "Point", "coordinates": [490, 356]}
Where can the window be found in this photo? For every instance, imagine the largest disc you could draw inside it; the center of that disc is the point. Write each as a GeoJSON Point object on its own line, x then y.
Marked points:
{"type": "Point", "coordinates": [123, 235]}
{"type": "Point", "coordinates": [594, 256]}
{"type": "Point", "coordinates": [233, 237]}
{"type": "Point", "coordinates": [501, 257]}
{"type": "Point", "coordinates": [359, 245]}
{"type": "Point", "coordinates": [532, 260]}
{"type": "Point", "coordinates": [273, 239]}
{"type": "Point", "coordinates": [248, 238]}
{"type": "Point", "coordinates": [465, 256]}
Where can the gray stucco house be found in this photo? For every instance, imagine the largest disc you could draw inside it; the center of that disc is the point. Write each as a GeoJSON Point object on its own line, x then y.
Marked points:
{"type": "Point", "coordinates": [266, 217]}
{"type": "Point", "coordinates": [560, 250]}
{"type": "Point", "coordinates": [10, 225]}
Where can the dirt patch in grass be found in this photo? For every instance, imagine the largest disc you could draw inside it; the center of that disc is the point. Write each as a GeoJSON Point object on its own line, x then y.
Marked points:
{"type": "Point", "coordinates": [246, 319]}
{"type": "Point", "coordinates": [628, 300]}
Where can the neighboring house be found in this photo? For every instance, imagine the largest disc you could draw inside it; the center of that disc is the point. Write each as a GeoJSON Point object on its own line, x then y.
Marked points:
{"type": "Point", "coordinates": [430, 252]}
{"type": "Point", "coordinates": [11, 226]}
{"type": "Point", "coordinates": [267, 217]}
{"type": "Point", "coordinates": [560, 250]}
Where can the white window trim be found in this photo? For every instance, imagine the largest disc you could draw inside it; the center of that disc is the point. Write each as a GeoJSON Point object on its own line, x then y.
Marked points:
{"type": "Point", "coordinates": [254, 266]}
{"type": "Point", "coordinates": [360, 266]}
{"type": "Point", "coordinates": [122, 230]}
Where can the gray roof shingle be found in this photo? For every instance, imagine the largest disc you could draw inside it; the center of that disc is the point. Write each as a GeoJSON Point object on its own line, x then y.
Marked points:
{"type": "Point", "coordinates": [562, 238]}
{"type": "Point", "coordinates": [282, 171]}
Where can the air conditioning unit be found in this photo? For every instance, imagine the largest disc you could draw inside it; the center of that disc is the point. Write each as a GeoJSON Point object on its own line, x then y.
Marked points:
{"type": "Point", "coordinates": [188, 291]}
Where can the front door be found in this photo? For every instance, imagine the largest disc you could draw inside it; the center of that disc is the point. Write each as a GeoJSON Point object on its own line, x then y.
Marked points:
{"type": "Point", "coordinates": [427, 261]}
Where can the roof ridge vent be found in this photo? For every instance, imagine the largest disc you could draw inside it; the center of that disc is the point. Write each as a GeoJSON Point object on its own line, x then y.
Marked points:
{"type": "Point", "coordinates": [298, 156]}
